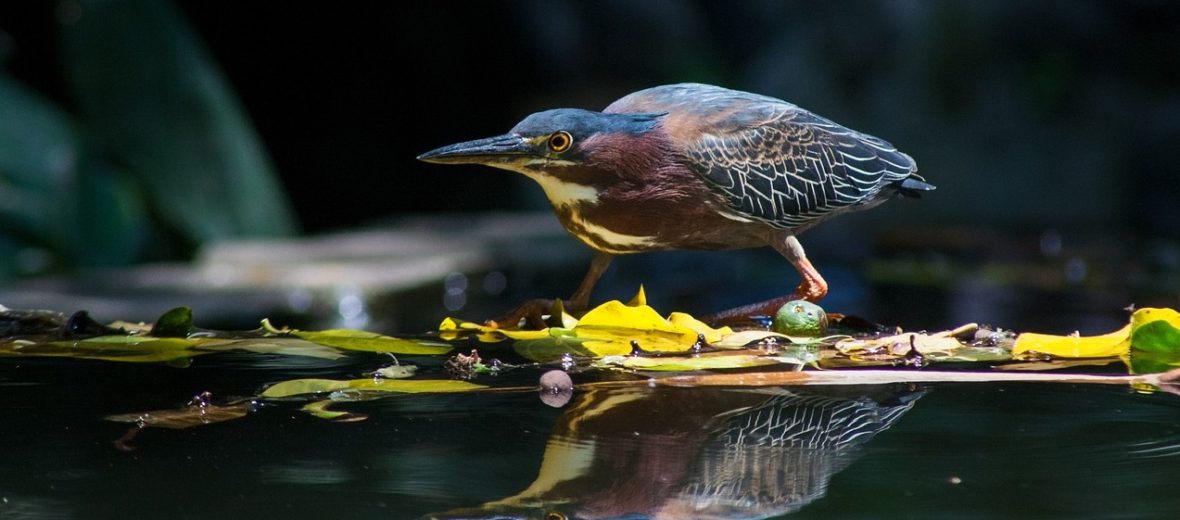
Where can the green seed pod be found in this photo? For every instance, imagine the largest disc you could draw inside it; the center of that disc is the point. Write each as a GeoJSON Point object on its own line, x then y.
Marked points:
{"type": "Point", "coordinates": [800, 318]}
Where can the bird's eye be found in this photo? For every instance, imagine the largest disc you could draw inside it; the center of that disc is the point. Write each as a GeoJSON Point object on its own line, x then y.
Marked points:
{"type": "Point", "coordinates": [560, 141]}
{"type": "Point", "coordinates": [555, 515]}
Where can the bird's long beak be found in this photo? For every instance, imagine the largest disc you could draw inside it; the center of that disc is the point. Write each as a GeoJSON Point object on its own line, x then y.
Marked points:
{"type": "Point", "coordinates": [499, 149]}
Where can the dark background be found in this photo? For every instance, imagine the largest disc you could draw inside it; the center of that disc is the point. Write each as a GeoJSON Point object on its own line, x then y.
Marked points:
{"type": "Point", "coordinates": [1047, 126]}
{"type": "Point", "coordinates": [1024, 113]}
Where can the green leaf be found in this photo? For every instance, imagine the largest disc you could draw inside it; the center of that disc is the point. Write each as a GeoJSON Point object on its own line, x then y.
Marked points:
{"type": "Point", "coordinates": [279, 346]}
{"type": "Point", "coordinates": [148, 87]}
{"type": "Point", "coordinates": [1157, 336]}
{"type": "Point", "coordinates": [297, 387]}
{"type": "Point", "coordinates": [135, 349]}
{"type": "Point", "coordinates": [176, 323]}
{"type": "Point", "coordinates": [553, 348]}
{"type": "Point", "coordinates": [57, 192]}
{"type": "Point", "coordinates": [359, 340]}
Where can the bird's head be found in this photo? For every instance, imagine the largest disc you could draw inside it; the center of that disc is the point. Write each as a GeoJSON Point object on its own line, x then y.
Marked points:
{"type": "Point", "coordinates": [561, 149]}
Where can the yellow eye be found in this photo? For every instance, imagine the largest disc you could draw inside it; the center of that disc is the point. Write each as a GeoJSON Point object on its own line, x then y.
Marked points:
{"type": "Point", "coordinates": [554, 515]}
{"type": "Point", "coordinates": [560, 141]}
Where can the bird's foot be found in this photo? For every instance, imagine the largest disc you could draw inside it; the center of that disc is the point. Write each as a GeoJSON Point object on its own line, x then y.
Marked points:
{"type": "Point", "coordinates": [747, 315]}
{"type": "Point", "coordinates": [536, 314]}
{"type": "Point", "coordinates": [750, 315]}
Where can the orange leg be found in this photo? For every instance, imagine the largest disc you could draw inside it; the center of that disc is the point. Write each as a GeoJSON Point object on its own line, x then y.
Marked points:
{"type": "Point", "coordinates": [812, 287]}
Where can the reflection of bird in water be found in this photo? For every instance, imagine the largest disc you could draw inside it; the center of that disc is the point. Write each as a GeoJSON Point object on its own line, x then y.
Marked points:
{"type": "Point", "coordinates": [698, 452]}
{"type": "Point", "coordinates": [744, 471]}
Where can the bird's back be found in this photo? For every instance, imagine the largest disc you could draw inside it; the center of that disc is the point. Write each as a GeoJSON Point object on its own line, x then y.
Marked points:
{"type": "Point", "coordinates": [773, 161]}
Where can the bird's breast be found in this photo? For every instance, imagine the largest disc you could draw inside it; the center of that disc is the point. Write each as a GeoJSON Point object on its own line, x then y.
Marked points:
{"type": "Point", "coordinates": [627, 227]}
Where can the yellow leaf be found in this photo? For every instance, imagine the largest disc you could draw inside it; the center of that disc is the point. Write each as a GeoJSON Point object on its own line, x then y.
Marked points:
{"type": "Point", "coordinates": [715, 361]}
{"type": "Point", "coordinates": [639, 299]}
{"type": "Point", "coordinates": [1149, 314]}
{"type": "Point", "coordinates": [1116, 343]}
{"type": "Point", "coordinates": [613, 321]}
{"type": "Point", "coordinates": [712, 335]}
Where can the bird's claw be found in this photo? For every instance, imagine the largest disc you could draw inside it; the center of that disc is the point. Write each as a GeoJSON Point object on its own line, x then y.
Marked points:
{"type": "Point", "coordinates": [531, 315]}
{"type": "Point", "coordinates": [528, 315]}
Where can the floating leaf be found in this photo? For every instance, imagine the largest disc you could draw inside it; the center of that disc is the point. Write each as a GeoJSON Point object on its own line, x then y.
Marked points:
{"type": "Point", "coordinates": [278, 346]}
{"type": "Point", "coordinates": [397, 371]}
{"type": "Point", "coordinates": [715, 361]}
{"type": "Point", "coordinates": [552, 348]}
{"type": "Point", "coordinates": [411, 386]}
{"type": "Point", "coordinates": [1156, 330]}
{"type": "Point", "coordinates": [137, 349]}
{"type": "Point", "coordinates": [176, 323]}
{"type": "Point", "coordinates": [745, 338]}
{"type": "Point", "coordinates": [1116, 343]}
{"type": "Point", "coordinates": [712, 335]}
{"type": "Point", "coordinates": [359, 340]}
{"type": "Point", "coordinates": [640, 298]}
{"type": "Point", "coordinates": [451, 329]}
{"type": "Point", "coordinates": [618, 323]}
{"type": "Point", "coordinates": [899, 344]}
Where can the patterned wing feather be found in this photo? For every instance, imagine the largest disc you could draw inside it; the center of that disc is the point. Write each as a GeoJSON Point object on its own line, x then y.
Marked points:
{"type": "Point", "coordinates": [774, 162]}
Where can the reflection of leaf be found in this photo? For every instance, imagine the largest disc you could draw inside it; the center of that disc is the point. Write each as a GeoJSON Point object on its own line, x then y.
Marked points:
{"type": "Point", "coordinates": [314, 386]}
{"type": "Point", "coordinates": [186, 417]}
{"type": "Point", "coordinates": [349, 339]}
{"type": "Point", "coordinates": [320, 409]}
{"type": "Point", "coordinates": [1055, 364]}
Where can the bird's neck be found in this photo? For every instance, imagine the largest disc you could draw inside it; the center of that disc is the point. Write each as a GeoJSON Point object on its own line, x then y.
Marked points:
{"type": "Point", "coordinates": [624, 163]}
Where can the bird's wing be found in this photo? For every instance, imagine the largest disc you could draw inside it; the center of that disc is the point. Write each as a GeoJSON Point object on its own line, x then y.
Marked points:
{"type": "Point", "coordinates": [774, 162]}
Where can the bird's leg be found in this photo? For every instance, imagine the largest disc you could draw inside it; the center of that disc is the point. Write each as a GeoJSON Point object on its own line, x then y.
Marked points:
{"type": "Point", "coordinates": [580, 301]}
{"type": "Point", "coordinates": [812, 287]}
{"type": "Point", "coordinates": [532, 310]}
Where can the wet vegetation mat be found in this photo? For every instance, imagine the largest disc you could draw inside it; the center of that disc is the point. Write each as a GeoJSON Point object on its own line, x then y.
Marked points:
{"type": "Point", "coordinates": [613, 345]}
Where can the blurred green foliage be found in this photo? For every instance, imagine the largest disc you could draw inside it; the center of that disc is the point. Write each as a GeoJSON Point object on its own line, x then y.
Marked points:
{"type": "Point", "coordinates": [155, 153]}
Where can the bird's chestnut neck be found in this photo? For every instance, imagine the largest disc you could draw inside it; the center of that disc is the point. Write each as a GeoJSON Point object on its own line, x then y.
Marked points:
{"type": "Point", "coordinates": [621, 155]}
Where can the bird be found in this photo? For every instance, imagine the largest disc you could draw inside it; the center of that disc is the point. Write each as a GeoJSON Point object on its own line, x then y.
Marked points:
{"type": "Point", "coordinates": [691, 166]}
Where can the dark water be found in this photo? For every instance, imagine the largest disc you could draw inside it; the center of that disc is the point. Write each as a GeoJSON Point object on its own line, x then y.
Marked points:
{"type": "Point", "coordinates": [934, 451]}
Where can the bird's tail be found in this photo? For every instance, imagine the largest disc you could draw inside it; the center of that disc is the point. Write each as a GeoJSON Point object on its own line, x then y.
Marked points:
{"type": "Point", "coordinates": [913, 186]}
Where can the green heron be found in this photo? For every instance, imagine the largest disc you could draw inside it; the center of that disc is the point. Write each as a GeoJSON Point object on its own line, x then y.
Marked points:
{"type": "Point", "coordinates": [697, 167]}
